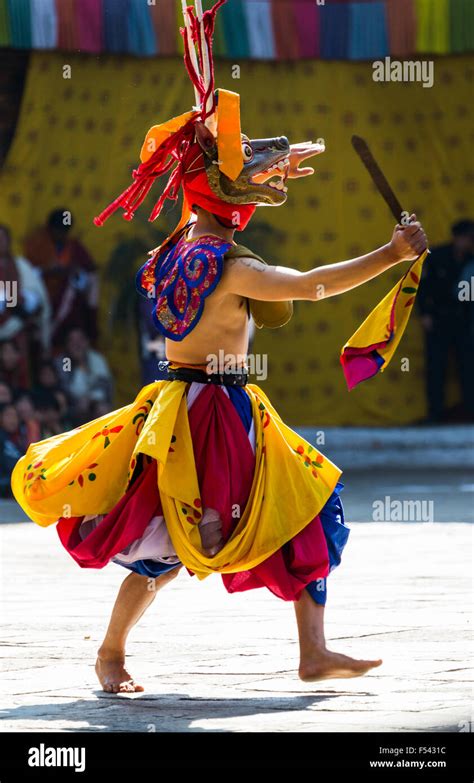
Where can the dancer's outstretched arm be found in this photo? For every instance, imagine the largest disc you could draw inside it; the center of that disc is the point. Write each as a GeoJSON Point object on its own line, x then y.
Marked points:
{"type": "Point", "coordinates": [251, 278]}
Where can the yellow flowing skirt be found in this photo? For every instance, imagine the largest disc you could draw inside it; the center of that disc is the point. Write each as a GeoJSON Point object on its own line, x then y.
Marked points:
{"type": "Point", "coordinates": [86, 471]}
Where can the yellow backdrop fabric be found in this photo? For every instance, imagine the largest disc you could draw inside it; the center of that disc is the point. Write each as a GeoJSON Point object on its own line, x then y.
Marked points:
{"type": "Point", "coordinates": [79, 138]}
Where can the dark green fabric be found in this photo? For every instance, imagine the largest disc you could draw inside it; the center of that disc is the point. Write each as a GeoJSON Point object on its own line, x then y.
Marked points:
{"type": "Point", "coordinates": [5, 32]}
{"type": "Point", "coordinates": [462, 25]}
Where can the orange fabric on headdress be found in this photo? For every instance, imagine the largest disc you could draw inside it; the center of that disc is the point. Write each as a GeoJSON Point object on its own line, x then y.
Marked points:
{"type": "Point", "coordinates": [229, 137]}
{"type": "Point", "coordinates": [159, 133]}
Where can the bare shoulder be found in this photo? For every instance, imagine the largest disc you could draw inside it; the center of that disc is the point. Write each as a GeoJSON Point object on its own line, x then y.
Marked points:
{"type": "Point", "coordinates": [245, 261]}
{"type": "Point", "coordinates": [238, 268]}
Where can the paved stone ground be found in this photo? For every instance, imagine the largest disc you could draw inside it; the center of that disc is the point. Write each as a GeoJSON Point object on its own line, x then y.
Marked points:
{"type": "Point", "coordinates": [450, 489]}
{"type": "Point", "coordinates": [211, 661]}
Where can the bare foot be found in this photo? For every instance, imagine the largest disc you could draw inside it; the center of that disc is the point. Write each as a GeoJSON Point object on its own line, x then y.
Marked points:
{"type": "Point", "coordinates": [326, 664]}
{"type": "Point", "coordinates": [114, 677]}
{"type": "Point", "coordinates": [210, 529]}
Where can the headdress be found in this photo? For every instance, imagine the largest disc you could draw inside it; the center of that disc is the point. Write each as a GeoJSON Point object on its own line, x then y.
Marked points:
{"type": "Point", "coordinates": [204, 149]}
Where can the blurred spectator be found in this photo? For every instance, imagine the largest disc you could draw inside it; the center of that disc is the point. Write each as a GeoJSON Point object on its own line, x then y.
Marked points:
{"type": "Point", "coordinates": [48, 383]}
{"type": "Point", "coordinates": [447, 316]}
{"type": "Point", "coordinates": [6, 394]}
{"type": "Point", "coordinates": [99, 408]}
{"type": "Point", "coordinates": [84, 376]}
{"type": "Point", "coordinates": [69, 274]}
{"type": "Point", "coordinates": [29, 420]}
{"type": "Point", "coordinates": [48, 303]}
{"type": "Point", "coordinates": [25, 313]}
{"type": "Point", "coordinates": [11, 446]}
{"type": "Point", "coordinates": [49, 414]}
{"type": "Point", "coordinates": [13, 370]}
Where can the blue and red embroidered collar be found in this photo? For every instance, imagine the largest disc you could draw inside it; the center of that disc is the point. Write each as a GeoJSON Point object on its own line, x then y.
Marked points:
{"type": "Point", "coordinates": [179, 278]}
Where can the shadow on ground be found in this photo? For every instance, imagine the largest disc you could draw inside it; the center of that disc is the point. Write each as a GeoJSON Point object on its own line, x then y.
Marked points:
{"type": "Point", "coordinates": [161, 712]}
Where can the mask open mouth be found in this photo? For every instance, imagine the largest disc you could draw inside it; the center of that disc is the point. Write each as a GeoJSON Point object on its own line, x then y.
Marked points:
{"type": "Point", "coordinates": [274, 176]}
{"type": "Point", "coordinates": [262, 180]}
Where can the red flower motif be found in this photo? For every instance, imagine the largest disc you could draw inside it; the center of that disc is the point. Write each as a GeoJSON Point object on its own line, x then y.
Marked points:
{"type": "Point", "coordinates": [105, 434]}
{"type": "Point", "coordinates": [31, 475]}
{"type": "Point", "coordinates": [312, 459]}
{"type": "Point", "coordinates": [80, 477]}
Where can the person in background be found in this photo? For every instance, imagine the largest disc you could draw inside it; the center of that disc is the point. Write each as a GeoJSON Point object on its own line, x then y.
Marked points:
{"type": "Point", "coordinates": [69, 274]}
{"type": "Point", "coordinates": [100, 408]}
{"type": "Point", "coordinates": [6, 394]}
{"type": "Point", "coordinates": [447, 316]}
{"type": "Point", "coordinates": [49, 414]}
{"type": "Point", "coordinates": [84, 376]}
{"type": "Point", "coordinates": [48, 383]}
{"type": "Point", "coordinates": [13, 370]}
{"type": "Point", "coordinates": [29, 421]}
{"type": "Point", "coordinates": [12, 446]}
{"type": "Point", "coordinates": [25, 313]}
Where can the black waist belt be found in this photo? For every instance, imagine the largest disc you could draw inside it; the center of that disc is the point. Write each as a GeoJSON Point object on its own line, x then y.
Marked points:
{"type": "Point", "coordinates": [191, 375]}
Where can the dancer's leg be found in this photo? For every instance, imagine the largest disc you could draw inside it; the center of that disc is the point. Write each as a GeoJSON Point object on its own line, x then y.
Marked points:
{"type": "Point", "coordinates": [134, 597]}
{"type": "Point", "coordinates": [210, 529]}
{"type": "Point", "coordinates": [316, 661]}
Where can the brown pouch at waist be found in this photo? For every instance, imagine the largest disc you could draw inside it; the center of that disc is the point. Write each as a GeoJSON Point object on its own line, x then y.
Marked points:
{"type": "Point", "coordinates": [270, 314]}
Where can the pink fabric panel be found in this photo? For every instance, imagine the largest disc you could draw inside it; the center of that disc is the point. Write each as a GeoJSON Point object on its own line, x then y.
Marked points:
{"type": "Point", "coordinates": [307, 26]}
{"type": "Point", "coordinates": [89, 25]}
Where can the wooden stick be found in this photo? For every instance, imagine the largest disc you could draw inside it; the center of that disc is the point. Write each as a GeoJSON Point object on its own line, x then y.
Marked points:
{"type": "Point", "coordinates": [378, 177]}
